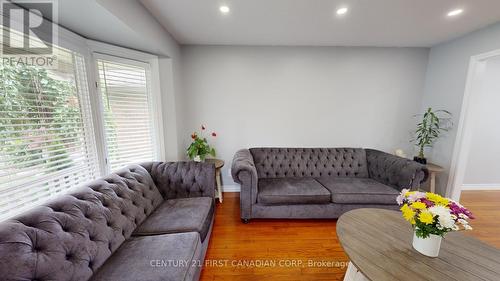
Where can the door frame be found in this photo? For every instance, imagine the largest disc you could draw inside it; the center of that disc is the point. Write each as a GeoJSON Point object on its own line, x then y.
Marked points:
{"type": "Point", "coordinates": [477, 66]}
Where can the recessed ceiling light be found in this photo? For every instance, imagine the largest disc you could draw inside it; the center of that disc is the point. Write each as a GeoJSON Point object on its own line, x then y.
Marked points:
{"type": "Point", "coordinates": [342, 10]}
{"type": "Point", "coordinates": [455, 12]}
{"type": "Point", "coordinates": [224, 9]}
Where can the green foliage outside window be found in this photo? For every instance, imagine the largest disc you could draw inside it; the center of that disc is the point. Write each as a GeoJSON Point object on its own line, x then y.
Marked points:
{"type": "Point", "coordinates": [39, 118]}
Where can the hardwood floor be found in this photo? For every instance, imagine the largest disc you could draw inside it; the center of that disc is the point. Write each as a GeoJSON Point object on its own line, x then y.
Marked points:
{"type": "Point", "coordinates": [485, 205]}
{"type": "Point", "coordinates": [285, 249]}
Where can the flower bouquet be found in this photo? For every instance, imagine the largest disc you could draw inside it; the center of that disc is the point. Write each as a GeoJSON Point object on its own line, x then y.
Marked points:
{"type": "Point", "coordinates": [432, 216]}
{"type": "Point", "coordinates": [199, 149]}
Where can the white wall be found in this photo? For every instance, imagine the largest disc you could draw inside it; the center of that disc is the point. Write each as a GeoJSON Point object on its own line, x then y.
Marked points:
{"type": "Point", "coordinates": [483, 168]}
{"type": "Point", "coordinates": [445, 85]}
{"type": "Point", "coordinates": [301, 96]}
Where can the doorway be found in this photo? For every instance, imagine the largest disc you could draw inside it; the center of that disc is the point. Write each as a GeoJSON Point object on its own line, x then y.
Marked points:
{"type": "Point", "coordinates": [482, 93]}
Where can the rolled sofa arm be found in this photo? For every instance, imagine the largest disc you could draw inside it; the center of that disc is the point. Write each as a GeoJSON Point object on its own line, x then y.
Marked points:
{"type": "Point", "coordinates": [244, 172]}
{"type": "Point", "coordinates": [395, 171]}
{"type": "Point", "coordinates": [183, 179]}
{"type": "Point", "coordinates": [242, 162]}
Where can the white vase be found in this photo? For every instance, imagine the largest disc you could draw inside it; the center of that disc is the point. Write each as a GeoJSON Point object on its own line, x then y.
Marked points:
{"type": "Point", "coordinates": [197, 158]}
{"type": "Point", "coordinates": [427, 246]}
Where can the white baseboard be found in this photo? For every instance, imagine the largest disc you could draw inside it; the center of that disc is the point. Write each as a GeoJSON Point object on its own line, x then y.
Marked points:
{"type": "Point", "coordinates": [481, 186]}
{"type": "Point", "coordinates": [231, 188]}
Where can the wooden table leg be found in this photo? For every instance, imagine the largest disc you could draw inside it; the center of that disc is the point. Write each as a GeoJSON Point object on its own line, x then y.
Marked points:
{"type": "Point", "coordinates": [353, 274]}
{"type": "Point", "coordinates": [433, 182]}
{"type": "Point", "coordinates": [219, 185]}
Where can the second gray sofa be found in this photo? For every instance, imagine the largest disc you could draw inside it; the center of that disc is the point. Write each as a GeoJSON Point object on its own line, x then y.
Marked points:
{"type": "Point", "coordinates": [320, 182]}
{"type": "Point", "coordinates": [145, 222]}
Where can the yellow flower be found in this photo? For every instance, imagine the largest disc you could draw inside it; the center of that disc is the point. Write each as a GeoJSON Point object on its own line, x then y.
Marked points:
{"type": "Point", "coordinates": [408, 213]}
{"type": "Point", "coordinates": [437, 199]}
{"type": "Point", "coordinates": [443, 202]}
{"type": "Point", "coordinates": [432, 196]}
{"type": "Point", "coordinates": [409, 193]}
{"type": "Point", "coordinates": [418, 205]}
{"type": "Point", "coordinates": [426, 217]}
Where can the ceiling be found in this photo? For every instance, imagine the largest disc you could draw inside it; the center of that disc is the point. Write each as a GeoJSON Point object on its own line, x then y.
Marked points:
{"type": "Point", "coordinates": [92, 20]}
{"type": "Point", "coordinates": [403, 23]}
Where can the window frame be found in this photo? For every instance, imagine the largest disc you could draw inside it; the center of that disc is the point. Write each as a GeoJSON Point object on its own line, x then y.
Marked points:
{"type": "Point", "coordinates": [109, 52]}
{"type": "Point", "coordinates": [89, 49]}
{"type": "Point", "coordinates": [75, 43]}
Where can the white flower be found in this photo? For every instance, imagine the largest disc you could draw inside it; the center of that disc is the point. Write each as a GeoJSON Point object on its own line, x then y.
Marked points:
{"type": "Point", "coordinates": [467, 227]}
{"type": "Point", "coordinates": [415, 196]}
{"type": "Point", "coordinates": [401, 196]}
{"type": "Point", "coordinates": [444, 217]}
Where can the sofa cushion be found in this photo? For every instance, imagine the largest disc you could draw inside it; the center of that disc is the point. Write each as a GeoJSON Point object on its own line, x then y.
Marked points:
{"type": "Point", "coordinates": [292, 191]}
{"type": "Point", "coordinates": [359, 191]}
{"type": "Point", "coordinates": [180, 215]}
{"type": "Point", "coordinates": [158, 257]}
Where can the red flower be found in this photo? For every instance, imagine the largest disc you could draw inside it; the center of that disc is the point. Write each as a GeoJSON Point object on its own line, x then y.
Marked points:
{"type": "Point", "coordinates": [214, 134]}
{"type": "Point", "coordinates": [193, 136]}
{"type": "Point", "coordinates": [203, 127]}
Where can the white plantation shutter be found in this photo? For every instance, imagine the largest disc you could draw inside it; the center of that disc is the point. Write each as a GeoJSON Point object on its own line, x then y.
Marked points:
{"type": "Point", "coordinates": [46, 135]}
{"type": "Point", "coordinates": [128, 122]}
{"type": "Point", "coordinates": [48, 143]}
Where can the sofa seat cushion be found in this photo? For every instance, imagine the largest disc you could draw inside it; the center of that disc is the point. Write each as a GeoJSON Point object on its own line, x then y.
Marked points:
{"type": "Point", "coordinates": [286, 191]}
{"type": "Point", "coordinates": [158, 257]}
{"type": "Point", "coordinates": [359, 191]}
{"type": "Point", "coordinates": [179, 215]}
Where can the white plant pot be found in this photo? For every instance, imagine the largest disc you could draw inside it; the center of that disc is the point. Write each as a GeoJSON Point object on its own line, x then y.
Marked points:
{"type": "Point", "coordinates": [197, 158]}
{"type": "Point", "coordinates": [427, 246]}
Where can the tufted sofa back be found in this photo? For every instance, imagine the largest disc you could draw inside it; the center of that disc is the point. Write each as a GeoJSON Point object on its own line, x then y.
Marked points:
{"type": "Point", "coordinates": [310, 162]}
{"type": "Point", "coordinates": [183, 179]}
{"type": "Point", "coordinates": [70, 237]}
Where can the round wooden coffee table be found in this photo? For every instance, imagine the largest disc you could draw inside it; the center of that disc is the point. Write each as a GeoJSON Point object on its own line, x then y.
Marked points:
{"type": "Point", "coordinates": [378, 243]}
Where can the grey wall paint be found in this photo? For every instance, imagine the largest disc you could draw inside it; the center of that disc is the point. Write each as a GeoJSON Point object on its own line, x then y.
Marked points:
{"type": "Point", "coordinates": [445, 85]}
{"type": "Point", "coordinates": [301, 96]}
{"type": "Point", "coordinates": [483, 166]}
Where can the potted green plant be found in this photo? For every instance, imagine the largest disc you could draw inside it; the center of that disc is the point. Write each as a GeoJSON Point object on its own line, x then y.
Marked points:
{"type": "Point", "coordinates": [431, 126]}
{"type": "Point", "coordinates": [199, 148]}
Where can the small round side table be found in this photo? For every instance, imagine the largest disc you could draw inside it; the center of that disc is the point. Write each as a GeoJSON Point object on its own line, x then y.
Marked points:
{"type": "Point", "coordinates": [433, 171]}
{"type": "Point", "coordinates": [219, 163]}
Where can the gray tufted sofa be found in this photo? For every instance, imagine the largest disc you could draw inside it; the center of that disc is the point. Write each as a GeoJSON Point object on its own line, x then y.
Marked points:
{"type": "Point", "coordinates": [145, 222]}
{"type": "Point", "coordinates": [320, 182]}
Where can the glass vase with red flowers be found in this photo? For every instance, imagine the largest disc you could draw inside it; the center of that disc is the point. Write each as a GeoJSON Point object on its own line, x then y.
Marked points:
{"type": "Point", "coordinates": [199, 148]}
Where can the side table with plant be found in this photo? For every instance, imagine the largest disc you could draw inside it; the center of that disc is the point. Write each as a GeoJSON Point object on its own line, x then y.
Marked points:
{"type": "Point", "coordinates": [429, 129]}
{"type": "Point", "coordinates": [199, 148]}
